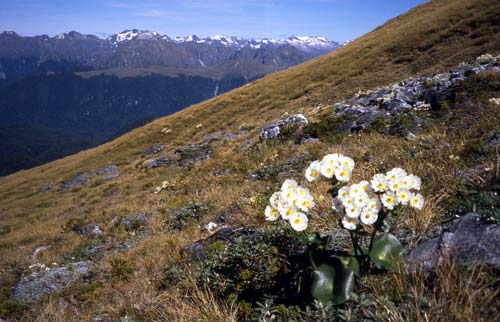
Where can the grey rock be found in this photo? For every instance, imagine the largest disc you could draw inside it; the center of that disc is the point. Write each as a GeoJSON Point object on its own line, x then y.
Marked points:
{"type": "Point", "coordinates": [47, 187]}
{"type": "Point", "coordinates": [225, 235]}
{"type": "Point", "coordinates": [192, 154]}
{"type": "Point", "coordinates": [163, 161]}
{"type": "Point", "coordinates": [153, 150]}
{"type": "Point", "coordinates": [308, 140]}
{"type": "Point", "coordinates": [134, 222]}
{"type": "Point", "coordinates": [272, 130]}
{"type": "Point", "coordinates": [91, 229]}
{"type": "Point", "coordinates": [469, 241]}
{"type": "Point", "coordinates": [31, 288]}
{"type": "Point", "coordinates": [73, 182]}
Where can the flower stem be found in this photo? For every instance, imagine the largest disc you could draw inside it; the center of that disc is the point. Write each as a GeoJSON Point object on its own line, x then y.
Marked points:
{"type": "Point", "coordinates": [311, 260]}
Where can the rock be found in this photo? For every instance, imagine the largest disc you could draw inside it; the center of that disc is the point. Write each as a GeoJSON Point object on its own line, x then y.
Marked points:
{"type": "Point", "coordinates": [31, 288]}
{"type": "Point", "coordinates": [91, 229]}
{"type": "Point", "coordinates": [308, 140]}
{"type": "Point", "coordinates": [225, 235]}
{"type": "Point", "coordinates": [73, 182]}
{"type": "Point", "coordinates": [153, 150]}
{"type": "Point", "coordinates": [164, 161]}
{"type": "Point", "coordinates": [469, 241]}
{"type": "Point", "coordinates": [493, 139]}
{"type": "Point", "coordinates": [192, 154]}
{"type": "Point", "coordinates": [47, 187]}
{"type": "Point", "coordinates": [110, 171]}
{"type": "Point", "coordinates": [134, 222]}
{"type": "Point", "coordinates": [271, 131]}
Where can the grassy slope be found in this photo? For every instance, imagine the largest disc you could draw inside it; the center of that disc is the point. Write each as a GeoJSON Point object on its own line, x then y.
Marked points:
{"type": "Point", "coordinates": [431, 37]}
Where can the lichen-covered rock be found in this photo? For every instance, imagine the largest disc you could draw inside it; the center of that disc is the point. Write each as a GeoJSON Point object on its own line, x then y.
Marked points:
{"type": "Point", "coordinates": [272, 130]}
{"type": "Point", "coordinates": [73, 182]}
{"type": "Point", "coordinates": [470, 240]}
{"type": "Point", "coordinates": [31, 288]}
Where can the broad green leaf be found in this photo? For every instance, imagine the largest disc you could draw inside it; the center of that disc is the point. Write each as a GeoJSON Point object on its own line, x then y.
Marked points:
{"type": "Point", "coordinates": [322, 283]}
{"type": "Point", "coordinates": [344, 280]}
{"type": "Point", "coordinates": [386, 252]}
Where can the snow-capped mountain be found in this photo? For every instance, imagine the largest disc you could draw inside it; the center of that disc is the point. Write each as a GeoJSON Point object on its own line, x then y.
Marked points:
{"type": "Point", "coordinates": [133, 48]}
{"type": "Point", "coordinates": [306, 43]}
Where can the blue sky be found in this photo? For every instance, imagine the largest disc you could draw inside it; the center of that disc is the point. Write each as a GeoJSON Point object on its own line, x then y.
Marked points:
{"type": "Point", "coordinates": [338, 20]}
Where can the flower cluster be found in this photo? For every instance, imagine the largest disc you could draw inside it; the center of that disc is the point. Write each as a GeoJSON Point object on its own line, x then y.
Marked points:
{"type": "Point", "coordinates": [331, 165]}
{"type": "Point", "coordinates": [364, 200]}
{"type": "Point", "coordinates": [291, 203]}
{"type": "Point", "coordinates": [164, 186]}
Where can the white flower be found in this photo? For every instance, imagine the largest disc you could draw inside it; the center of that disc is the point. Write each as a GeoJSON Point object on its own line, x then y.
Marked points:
{"type": "Point", "coordinates": [343, 193]}
{"type": "Point", "coordinates": [379, 182]}
{"type": "Point", "coordinates": [406, 182]}
{"type": "Point", "coordinates": [299, 221]}
{"type": "Point", "coordinates": [275, 199]}
{"type": "Point", "coordinates": [305, 203]}
{"type": "Point", "coordinates": [327, 170]}
{"type": "Point", "coordinates": [356, 189]}
{"type": "Point", "coordinates": [365, 185]}
{"type": "Point", "coordinates": [289, 184]}
{"type": "Point", "coordinates": [271, 213]}
{"type": "Point", "coordinates": [331, 159]}
{"type": "Point", "coordinates": [289, 196]}
{"type": "Point", "coordinates": [353, 212]}
{"type": "Point", "coordinates": [417, 201]}
{"type": "Point", "coordinates": [415, 182]}
{"type": "Point", "coordinates": [395, 184]}
{"type": "Point", "coordinates": [389, 200]}
{"type": "Point", "coordinates": [373, 204]}
{"type": "Point", "coordinates": [343, 174]}
{"type": "Point", "coordinates": [396, 173]}
{"type": "Point", "coordinates": [403, 196]}
{"type": "Point", "coordinates": [361, 200]}
{"type": "Point", "coordinates": [313, 171]}
{"type": "Point", "coordinates": [350, 223]}
{"type": "Point", "coordinates": [368, 216]}
{"type": "Point", "coordinates": [347, 162]}
{"type": "Point", "coordinates": [210, 227]}
{"type": "Point", "coordinates": [287, 211]}
{"type": "Point", "coordinates": [348, 202]}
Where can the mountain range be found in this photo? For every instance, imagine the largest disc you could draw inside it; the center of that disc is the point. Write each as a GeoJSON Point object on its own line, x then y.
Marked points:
{"type": "Point", "coordinates": [62, 94]}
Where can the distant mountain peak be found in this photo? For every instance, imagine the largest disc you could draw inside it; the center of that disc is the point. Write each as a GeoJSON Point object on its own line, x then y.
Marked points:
{"type": "Point", "coordinates": [131, 34]}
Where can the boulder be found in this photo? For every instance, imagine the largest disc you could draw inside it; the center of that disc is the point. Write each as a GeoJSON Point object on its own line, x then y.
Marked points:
{"type": "Point", "coordinates": [31, 288]}
{"type": "Point", "coordinates": [272, 130]}
{"type": "Point", "coordinates": [469, 241]}
{"type": "Point", "coordinates": [73, 182]}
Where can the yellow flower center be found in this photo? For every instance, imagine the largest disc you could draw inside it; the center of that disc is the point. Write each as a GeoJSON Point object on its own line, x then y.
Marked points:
{"type": "Point", "coordinates": [380, 185]}
{"type": "Point", "coordinates": [296, 221]}
{"type": "Point", "coordinates": [329, 170]}
{"type": "Point", "coordinates": [314, 173]}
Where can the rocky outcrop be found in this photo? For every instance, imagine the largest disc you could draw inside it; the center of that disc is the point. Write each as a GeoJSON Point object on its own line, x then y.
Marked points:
{"type": "Point", "coordinates": [31, 288]}
{"type": "Point", "coordinates": [422, 93]}
{"type": "Point", "coordinates": [107, 172]}
{"type": "Point", "coordinates": [153, 150]}
{"type": "Point", "coordinates": [470, 240]}
{"type": "Point", "coordinates": [272, 130]}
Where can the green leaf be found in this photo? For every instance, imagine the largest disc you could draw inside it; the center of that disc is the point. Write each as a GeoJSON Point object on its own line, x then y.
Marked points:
{"type": "Point", "coordinates": [322, 283]}
{"type": "Point", "coordinates": [334, 283]}
{"type": "Point", "coordinates": [386, 252]}
{"type": "Point", "coordinates": [344, 280]}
